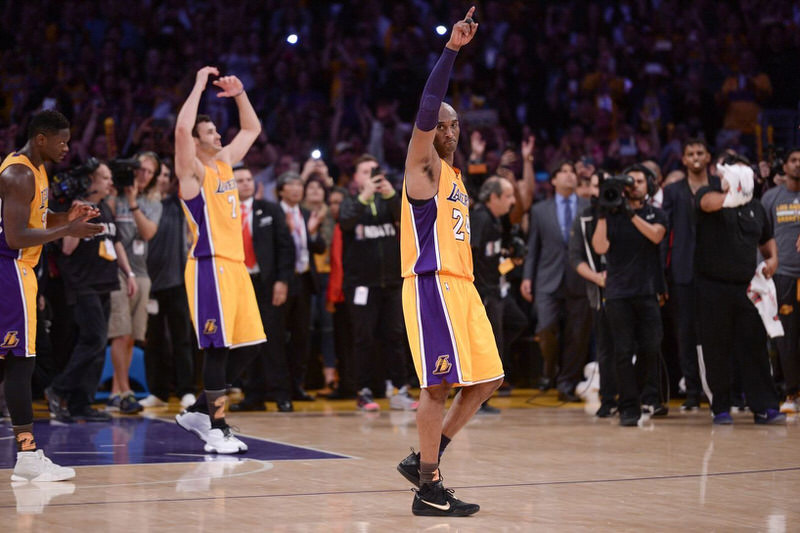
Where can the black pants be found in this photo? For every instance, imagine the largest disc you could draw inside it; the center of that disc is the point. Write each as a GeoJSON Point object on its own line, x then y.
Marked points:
{"type": "Point", "coordinates": [568, 320]}
{"type": "Point", "coordinates": [731, 333]}
{"type": "Point", "coordinates": [682, 298]}
{"type": "Point", "coordinates": [604, 347]}
{"type": "Point", "coordinates": [508, 323]}
{"type": "Point", "coordinates": [343, 343]}
{"type": "Point", "coordinates": [378, 332]}
{"type": "Point", "coordinates": [169, 344]}
{"type": "Point", "coordinates": [78, 381]}
{"type": "Point", "coordinates": [298, 327]}
{"type": "Point", "coordinates": [268, 375]}
{"type": "Point", "coordinates": [636, 325]}
{"type": "Point", "coordinates": [789, 313]}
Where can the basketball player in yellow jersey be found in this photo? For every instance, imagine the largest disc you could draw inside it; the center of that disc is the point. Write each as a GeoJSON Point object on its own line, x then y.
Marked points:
{"type": "Point", "coordinates": [221, 298]}
{"type": "Point", "coordinates": [25, 225]}
{"type": "Point", "coordinates": [449, 334]}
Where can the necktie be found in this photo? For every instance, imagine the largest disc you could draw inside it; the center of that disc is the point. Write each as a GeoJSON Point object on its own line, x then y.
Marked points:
{"type": "Point", "coordinates": [567, 219]}
{"type": "Point", "coordinates": [295, 220]}
{"type": "Point", "coordinates": [249, 251]}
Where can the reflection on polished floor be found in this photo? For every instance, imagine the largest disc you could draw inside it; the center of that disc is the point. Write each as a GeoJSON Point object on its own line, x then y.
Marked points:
{"type": "Point", "coordinates": [537, 466]}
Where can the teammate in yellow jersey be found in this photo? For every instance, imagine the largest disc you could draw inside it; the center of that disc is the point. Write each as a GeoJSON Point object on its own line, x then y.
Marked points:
{"type": "Point", "coordinates": [26, 224]}
{"type": "Point", "coordinates": [449, 334]}
{"type": "Point", "coordinates": [221, 298]}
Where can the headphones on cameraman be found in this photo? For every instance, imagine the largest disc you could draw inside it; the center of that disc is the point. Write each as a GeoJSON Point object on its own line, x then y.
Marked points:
{"type": "Point", "coordinates": [652, 187]}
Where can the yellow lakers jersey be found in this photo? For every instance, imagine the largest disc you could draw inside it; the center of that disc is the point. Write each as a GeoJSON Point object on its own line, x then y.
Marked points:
{"type": "Point", "coordinates": [38, 210]}
{"type": "Point", "coordinates": [434, 234]}
{"type": "Point", "coordinates": [214, 217]}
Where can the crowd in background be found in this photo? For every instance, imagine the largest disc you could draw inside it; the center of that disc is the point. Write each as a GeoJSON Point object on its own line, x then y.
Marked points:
{"type": "Point", "coordinates": [596, 85]}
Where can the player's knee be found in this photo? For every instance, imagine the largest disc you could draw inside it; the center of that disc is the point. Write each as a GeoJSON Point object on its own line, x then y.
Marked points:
{"type": "Point", "coordinates": [437, 393]}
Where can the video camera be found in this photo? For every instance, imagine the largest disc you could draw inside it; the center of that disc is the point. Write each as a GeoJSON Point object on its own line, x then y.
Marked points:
{"type": "Point", "coordinates": [73, 183]}
{"type": "Point", "coordinates": [611, 196]}
{"type": "Point", "coordinates": [122, 172]}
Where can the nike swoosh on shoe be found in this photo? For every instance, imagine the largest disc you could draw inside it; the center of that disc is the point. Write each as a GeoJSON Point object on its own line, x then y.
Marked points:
{"type": "Point", "coordinates": [436, 505]}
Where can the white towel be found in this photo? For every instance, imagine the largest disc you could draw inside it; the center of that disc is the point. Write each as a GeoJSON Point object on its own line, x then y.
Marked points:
{"type": "Point", "coordinates": [741, 181]}
{"type": "Point", "coordinates": [762, 293]}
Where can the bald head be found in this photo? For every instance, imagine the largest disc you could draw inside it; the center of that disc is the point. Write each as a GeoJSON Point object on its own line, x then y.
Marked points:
{"type": "Point", "coordinates": [447, 113]}
{"type": "Point", "coordinates": [447, 132]}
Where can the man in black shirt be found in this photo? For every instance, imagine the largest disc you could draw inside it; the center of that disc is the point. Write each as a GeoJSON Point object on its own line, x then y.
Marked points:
{"type": "Point", "coordinates": [592, 267]}
{"type": "Point", "coordinates": [679, 206]}
{"type": "Point", "coordinates": [89, 267]}
{"type": "Point", "coordinates": [730, 229]}
{"type": "Point", "coordinates": [373, 286]}
{"type": "Point", "coordinates": [496, 199]}
{"type": "Point", "coordinates": [629, 238]}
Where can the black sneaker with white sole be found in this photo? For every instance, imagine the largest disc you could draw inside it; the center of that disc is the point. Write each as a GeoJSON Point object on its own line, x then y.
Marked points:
{"type": "Point", "coordinates": [409, 468]}
{"type": "Point", "coordinates": [432, 499]}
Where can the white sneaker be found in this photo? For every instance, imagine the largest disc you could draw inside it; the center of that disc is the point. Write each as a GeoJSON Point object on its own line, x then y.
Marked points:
{"type": "Point", "coordinates": [197, 423]}
{"type": "Point", "coordinates": [790, 406]}
{"type": "Point", "coordinates": [402, 401]}
{"type": "Point", "coordinates": [35, 466]}
{"type": "Point", "coordinates": [153, 401]}
{"type": "Point", "coordinates": [188, 400]}
{"type": "Point", "coordinates": [223, 441]}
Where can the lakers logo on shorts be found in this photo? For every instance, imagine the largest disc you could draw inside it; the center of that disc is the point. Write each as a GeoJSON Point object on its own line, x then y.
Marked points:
{"type": "Point", "coordinates": [443, 365]}
{"type": "Point", "coordinates": [210, 327]}
{"type": "Point", "coordinates": [11, 340]}
{"type": "Point", "coordinates": [786, 309]}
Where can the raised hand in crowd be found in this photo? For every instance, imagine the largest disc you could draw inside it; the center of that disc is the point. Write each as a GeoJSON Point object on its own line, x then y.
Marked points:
{"type": "Point", "coordinates": [477, 146]}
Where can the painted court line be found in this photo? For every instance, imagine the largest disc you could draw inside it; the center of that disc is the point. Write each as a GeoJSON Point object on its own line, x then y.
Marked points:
{"type": "Point", "coordinates": [392, 491]}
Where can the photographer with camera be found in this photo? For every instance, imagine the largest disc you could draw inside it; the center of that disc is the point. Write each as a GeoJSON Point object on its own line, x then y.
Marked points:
{"type": "Point", "coordinates": [731, 227]}
{"type": "Point", "coordinates": [372, 286]}
{"type": "Point", "coordinates": [592, 267]}
{"type": "Point", "coordinates": [491, 259]}
{"type": "Point", "coordinates": [628, 232]}
{"type": "Point", "coordinates": [137, 211]}
{"type": "Point", "coordinates": [90, 269]}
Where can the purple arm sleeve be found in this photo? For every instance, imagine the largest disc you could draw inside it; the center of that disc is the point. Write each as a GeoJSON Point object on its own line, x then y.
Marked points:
{"type": "Point", "coordinates": [434, 91]}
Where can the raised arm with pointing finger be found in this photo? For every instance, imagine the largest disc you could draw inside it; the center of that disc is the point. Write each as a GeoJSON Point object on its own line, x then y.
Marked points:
{"type": "Point", "coordinates": [422, 162]}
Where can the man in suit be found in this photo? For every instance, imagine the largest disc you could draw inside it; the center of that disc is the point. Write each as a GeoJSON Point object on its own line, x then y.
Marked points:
{"type": "Point", "coordinates": [304, 229]}
{"type": "Point", "coordinates": [269, 257]}
{"type": "Point", "coordinates": [558, 292]}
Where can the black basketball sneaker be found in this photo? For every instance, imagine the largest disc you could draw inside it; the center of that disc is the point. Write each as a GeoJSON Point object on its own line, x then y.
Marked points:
{"type": "Point", "coordinates": [432, 499]}
{"type": "Point", "coordinates": [409, 468]}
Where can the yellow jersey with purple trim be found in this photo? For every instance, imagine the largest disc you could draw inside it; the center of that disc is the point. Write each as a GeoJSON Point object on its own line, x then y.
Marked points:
{"type": "Point", "coordinates": [37, 219]}
{"type": "Point", "coordinates": [435, 233]}
{"type": "Point", "coordinates": [214, 217]}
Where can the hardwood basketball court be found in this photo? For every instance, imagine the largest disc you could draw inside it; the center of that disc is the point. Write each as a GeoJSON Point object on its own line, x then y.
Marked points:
{"type": "Point", "coordinates": [538, 466]}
